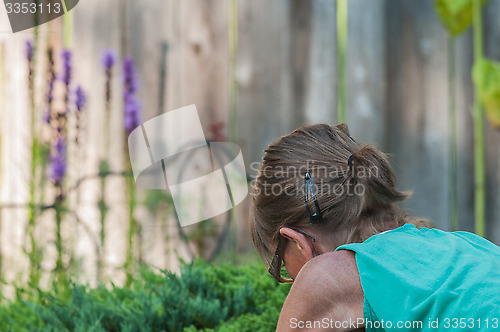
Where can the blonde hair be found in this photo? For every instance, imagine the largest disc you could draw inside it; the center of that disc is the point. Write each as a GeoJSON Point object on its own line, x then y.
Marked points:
{"type": "Point", "coordinates": [355, 188]}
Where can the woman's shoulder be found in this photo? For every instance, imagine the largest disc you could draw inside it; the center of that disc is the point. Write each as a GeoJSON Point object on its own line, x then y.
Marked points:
{"type": "Point", "coordinates": [330, 265]}
{"type": "Point", "coordinates": [327, 289]}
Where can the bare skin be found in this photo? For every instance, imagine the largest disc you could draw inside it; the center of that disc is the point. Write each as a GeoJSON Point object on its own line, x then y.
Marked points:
{"type": "Point", "coordinates": [326, 289]}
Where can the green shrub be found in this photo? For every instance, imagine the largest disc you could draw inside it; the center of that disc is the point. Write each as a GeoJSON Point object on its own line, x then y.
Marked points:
{"type": "Point", "coordinates": [203, 297]}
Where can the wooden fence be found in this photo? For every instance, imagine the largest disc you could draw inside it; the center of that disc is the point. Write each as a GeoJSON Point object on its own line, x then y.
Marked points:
{"type": "Point", "coordinates": [399, 60]}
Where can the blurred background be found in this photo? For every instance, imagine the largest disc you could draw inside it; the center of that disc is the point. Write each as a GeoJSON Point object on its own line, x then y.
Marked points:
{"type": "Point", "coordinates": [397, 72]}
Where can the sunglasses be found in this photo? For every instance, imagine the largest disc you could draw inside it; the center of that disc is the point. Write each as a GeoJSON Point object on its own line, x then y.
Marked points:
{"type": "Point", "coordinates": [276, 269]}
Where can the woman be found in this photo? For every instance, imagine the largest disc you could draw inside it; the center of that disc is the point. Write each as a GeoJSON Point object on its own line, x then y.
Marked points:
{"type": "Point", "coordinates": [325, 208]}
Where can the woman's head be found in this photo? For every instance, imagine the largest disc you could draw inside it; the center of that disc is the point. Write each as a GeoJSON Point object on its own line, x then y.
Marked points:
{"type": "Point", "coordinates": [354, 185]}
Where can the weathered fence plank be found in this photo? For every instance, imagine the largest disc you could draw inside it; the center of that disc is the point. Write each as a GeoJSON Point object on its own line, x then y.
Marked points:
{"type": "Point", "coordinates": [492, 136]}
{"type": "Point", "coordinates": [366, 71]}
{"type": "Point", "coordinates": [417, 91]}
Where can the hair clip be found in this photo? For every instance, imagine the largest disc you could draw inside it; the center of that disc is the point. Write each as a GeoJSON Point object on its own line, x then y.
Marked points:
{"type": "Point", "coordinates": [349, 163]}
{"type": "Point", "coordinates": [315, 217]}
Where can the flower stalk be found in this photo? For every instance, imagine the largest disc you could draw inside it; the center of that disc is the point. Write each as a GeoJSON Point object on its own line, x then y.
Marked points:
{"type": "Point", "coordinates": [58, 162]}
{"type": "Point", "coordinates": [341, 60]}
{"type": "Point", "coordinates": [108, 61]}
{"type": "Point", "coordinates": [34, 275]}
{"type": "Point", "coordinates": [452, 147]}
{"type": "Point", "coordinates": [80, 100]}
{"type": "Point", "coordinates": [132, 109]}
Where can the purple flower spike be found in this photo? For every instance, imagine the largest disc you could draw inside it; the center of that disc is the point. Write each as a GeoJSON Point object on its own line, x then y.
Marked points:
{"type": "Point", "coordinates": [81, 98]}
{"type": "Point", "coordinates": [58, 161]}
{"type": "Point", "coordinates": [132, 107]}
{"type": "Point", "coordinates": [108, 59]}
{"type": "Point", "coordinates": [132, 114]}
{"type": "Point", "coordinates": [50, 97]}
{"type": "Point", "coordinates": [129, 75]}
{"type": "Point", "coordinates": [66, 56]}
{"type": "Point", "coordinates": [46, 116]}
{"type": "Point", "coordinates": [29, 50]}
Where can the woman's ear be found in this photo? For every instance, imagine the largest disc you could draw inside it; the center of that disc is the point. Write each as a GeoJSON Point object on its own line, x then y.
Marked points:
{"type": "Point", "coordinates": [304, 244]}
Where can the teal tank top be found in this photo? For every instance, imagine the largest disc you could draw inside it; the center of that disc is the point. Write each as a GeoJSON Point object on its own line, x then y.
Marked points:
{"type": "Point", "coordinates": [429, 280]}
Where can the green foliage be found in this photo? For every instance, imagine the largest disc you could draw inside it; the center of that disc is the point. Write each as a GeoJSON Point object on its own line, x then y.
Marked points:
{"type": "Point", "coordinates": [203, 297]}
{"type": "Point", "coordinates": [486, 75]}
{"type": "Point", "coordinates": [342, 7]}
{"type": "Point", "coordinates": [104, 167]}
{"type": "Point", "coordinates": [156, 198]}
{"type": "Point", "coordinates": [456, 15]}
